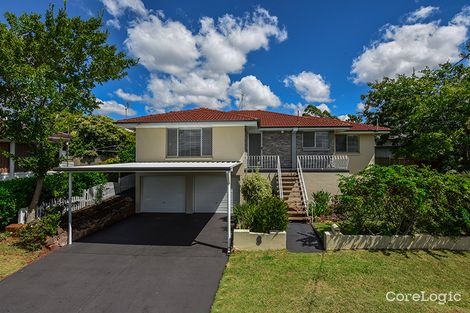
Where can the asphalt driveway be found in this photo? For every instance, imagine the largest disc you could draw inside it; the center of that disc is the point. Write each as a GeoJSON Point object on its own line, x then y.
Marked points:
{"type": "Point", "coordinates": [146, 263]}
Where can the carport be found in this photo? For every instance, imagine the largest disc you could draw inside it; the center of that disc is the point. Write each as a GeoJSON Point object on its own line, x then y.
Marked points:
{"type": "Point", "coordinates": [224, 167]}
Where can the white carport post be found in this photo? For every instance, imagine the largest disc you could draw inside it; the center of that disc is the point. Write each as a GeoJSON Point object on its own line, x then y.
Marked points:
{"type": "Point", "coordinates": [229, 209]}
{"type": "Point", "coordinates": [69, 209]}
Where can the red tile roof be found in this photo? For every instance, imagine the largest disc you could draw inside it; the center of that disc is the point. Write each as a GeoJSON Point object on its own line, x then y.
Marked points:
{"type": "Point", "coordinates": [193, 115]}
{"type": "Point", "coordinates": [274, 119]}
{"type": "Point", "coordinates": [264, 118]}
{"type": "Point", "coordinates": [367, 127]}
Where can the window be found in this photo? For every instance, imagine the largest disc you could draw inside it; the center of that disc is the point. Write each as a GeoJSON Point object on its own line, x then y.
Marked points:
{"type": "Point", "coordinates": [347, 143]}
{"type": "Point", "coordinates": [189, 142]}
{"type": "Point", "coordinates": [315, 141]}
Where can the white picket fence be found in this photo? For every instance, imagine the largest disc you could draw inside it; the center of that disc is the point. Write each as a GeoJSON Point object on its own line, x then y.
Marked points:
{"type": "Point", "coordinates": [90, 196]}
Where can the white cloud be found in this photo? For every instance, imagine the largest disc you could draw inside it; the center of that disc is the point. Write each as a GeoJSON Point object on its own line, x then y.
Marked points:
{"type": "Point", "coordinates": [255, 95]}
{"type": "Point", "coordinates": [323, 107]}
{"type": "Point", "coordinates": [111, 106]}
{"type": "Point", "coordinates": [114, 23]}
{"type": "Point", "coordinates": [193, 67]}
{"type": "Point", "coordinates": [421, 14]}
{"type": "Point", "coordinates": [407, 48]}
{"type": "Point", "coordinates": [116, 8]}
{"type": "Point", "coordinates": [165, 46]}
{"type": "Point", "coordinates": [225, 44]}
{"type": "Point", "coordinates": [297, 109]}
{"type": "Point", "coordinates": [343, 117]}
{"type": "Point", "coordinates": [463, 17]}
{"type": "Point", "coordinates": [360, 106]}
{"type": "Point", "coordinates": [194, 88]}
{"type": "Point", "coordinates": [312, 87]}
{"type": "Point", "coordinates": [128, 96]}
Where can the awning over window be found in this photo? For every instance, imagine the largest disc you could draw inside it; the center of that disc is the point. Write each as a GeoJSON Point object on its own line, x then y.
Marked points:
{"type": "Point", "coordinates": [139, 167]}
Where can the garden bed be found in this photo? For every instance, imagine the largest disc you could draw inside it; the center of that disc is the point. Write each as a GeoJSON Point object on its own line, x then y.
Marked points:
{"type": "Point", "coordinates": [243, 239]}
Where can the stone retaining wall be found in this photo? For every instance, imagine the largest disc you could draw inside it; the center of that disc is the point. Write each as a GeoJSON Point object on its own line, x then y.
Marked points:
{"type": "Point", "coordinates": [96, 217]}
{"type": "Point", "coordinates": [416, 242]}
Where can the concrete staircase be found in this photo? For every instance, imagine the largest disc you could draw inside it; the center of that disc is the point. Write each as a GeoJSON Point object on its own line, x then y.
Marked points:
{"type": "Point", "coordinates": [293, 197]}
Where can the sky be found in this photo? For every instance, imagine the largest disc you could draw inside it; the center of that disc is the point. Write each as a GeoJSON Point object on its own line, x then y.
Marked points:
{"type": "Point", "coordinates": [275, 55]}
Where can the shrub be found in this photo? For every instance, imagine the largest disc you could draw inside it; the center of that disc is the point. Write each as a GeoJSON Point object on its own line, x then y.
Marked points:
{"type": "Point", "coordinates": [320, 204]}
{"type": "Point", "coordinates": [255, 187]}
{"type": "Point", "coordinates": [16, 193]}
{"type": "Point", "coordinates": [270, 214]}
{"type": "Point", "coordinates": [34, 235]}
{"type": "Point", "coordinates": [8, 210]}
{"type": "Point", "coordinates": [405, 200]}
{"type": "Point", "coordinates": [127, 154]}
{"type": "Point", "coordinates": [243, 214]}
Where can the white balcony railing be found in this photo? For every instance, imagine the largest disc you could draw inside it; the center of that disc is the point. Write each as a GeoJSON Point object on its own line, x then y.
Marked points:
{"type": "Point", "coordinates": [324, 162]}
{"type": "Point", "coordinates": [262, 162]}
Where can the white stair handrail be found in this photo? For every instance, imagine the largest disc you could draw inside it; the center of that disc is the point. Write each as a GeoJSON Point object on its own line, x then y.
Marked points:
{"type": "Point", "coordinates": [300, 173]}
{"type": "Point", "coordinates": [279, 178]}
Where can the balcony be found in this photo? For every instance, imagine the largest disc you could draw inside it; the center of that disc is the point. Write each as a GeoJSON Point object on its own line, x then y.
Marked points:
{"type": "Point", "coordinates": [307, 162]}
{"type": "Point", "coordinates": [324, 162]}
{"type": "Point", "coordinates": [262, 162]}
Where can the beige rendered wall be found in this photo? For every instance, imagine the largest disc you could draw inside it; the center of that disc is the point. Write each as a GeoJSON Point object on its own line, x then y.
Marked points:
{"type": "Point", "coordinates": [326, 181]}
{"type": "Point", "coordinates": [314, 181]}
{"type": "Point", "coordinates": [228, 144]}
{"type": "Point", "coordinates": [150, 144]}
{"type": "Point", "coordinates": [366, 155]}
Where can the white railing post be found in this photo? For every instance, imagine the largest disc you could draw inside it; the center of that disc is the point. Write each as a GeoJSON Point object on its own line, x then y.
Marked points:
{"type": "Point", "coordinates": [279, 178]}
{"type": "Point", "coordinates": [265, 162]}
{"type": "Point", "coordinates": [322, 162]}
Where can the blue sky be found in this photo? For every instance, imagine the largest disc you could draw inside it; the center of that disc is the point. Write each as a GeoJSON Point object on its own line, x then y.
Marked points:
{"type": "Point", "coordinates": [276, 55]}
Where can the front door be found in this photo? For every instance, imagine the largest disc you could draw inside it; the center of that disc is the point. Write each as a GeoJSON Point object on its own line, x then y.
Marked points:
{"type": "Point", "coordinates": [254, 144]}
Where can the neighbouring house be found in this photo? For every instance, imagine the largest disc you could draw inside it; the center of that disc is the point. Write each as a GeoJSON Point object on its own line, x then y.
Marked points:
{"type": "Point", "coordinates": [385, 154]}
{"type": "Point", "coordinates": [8, 167]}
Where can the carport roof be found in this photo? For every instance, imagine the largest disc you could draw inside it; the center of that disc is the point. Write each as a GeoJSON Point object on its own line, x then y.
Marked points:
{"type": "Point", "coordinates": [140, 167]}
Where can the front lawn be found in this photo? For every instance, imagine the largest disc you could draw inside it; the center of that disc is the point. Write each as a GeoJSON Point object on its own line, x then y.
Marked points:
{"type": "Point", "coordinates": [13, 258]}
{"type": "Point", "coordinates": [346, 281]}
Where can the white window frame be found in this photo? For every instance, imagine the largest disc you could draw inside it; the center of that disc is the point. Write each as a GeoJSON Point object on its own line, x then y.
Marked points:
{"type": "Point", "coordinates": [200, 143]}
{"type": "Point", "coordinates": [315, 148]}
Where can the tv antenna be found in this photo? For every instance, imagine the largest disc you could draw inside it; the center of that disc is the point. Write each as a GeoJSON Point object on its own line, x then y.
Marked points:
{"type": "Point", "coordinates": [126, 106]}
{"type": "Point", "coordinates": [240, 104]}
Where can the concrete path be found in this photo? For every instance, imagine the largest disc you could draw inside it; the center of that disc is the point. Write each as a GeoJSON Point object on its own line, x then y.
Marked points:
{"type": "Point", "coordinates": [147, 263]}
{"type": "Point", "coordinates": [302, 238]}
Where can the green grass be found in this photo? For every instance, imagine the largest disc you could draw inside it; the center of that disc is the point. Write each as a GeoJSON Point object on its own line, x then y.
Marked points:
{"type": "Point", "coordinates": [321, 228]}
{"type": "Point", "coordinates": [13, 258]}
{"type": "Point", "coordinates": [347, 281]}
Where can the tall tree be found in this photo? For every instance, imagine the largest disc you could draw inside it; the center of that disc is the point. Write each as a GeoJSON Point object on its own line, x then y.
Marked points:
{"type": "Point", "coordinates": [428, 112]}
{"type": "Point", "coordinates": [95, 135]}
{"type": "Point", "coordinates": [48, 66]}
{"type": "Point", "coordinates": [312, 110]}
{"type": "Point", "coordinates": [354, 118]}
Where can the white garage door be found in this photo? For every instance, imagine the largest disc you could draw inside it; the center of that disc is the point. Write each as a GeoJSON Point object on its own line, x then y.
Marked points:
{"type": "Point", "coordinates": [164, 194]}
{"type": "Point", "coordinates": [210, 194]}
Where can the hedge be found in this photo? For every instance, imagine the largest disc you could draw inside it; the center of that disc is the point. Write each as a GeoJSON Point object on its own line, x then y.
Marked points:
{"type": "Point", "coordinates": [405, 200]}
{"type": "Point", "coordinates": [16, 193]}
